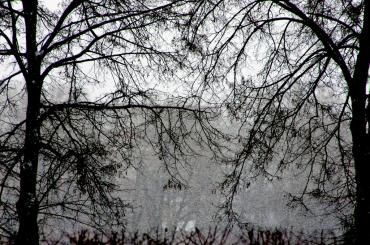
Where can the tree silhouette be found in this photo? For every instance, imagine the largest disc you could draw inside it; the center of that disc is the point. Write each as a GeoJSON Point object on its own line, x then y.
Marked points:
{"type": "Point", "coordinates": [306, 100]}
{"type": "Point", "coordinates": [85, 76]}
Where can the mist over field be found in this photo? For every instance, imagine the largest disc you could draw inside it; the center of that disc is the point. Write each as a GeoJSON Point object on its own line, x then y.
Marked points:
{"type": "Point", "coordinates": [156, 202]}
{"type": "Point", "coordinates": [263, 203]}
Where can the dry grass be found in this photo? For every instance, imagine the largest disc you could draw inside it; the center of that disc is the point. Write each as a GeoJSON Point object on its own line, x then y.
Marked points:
{"type": "Point", "coordinates": [211, 236]}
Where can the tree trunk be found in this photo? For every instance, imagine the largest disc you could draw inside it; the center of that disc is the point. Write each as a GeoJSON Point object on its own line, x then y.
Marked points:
{"type": "Point", "coordinates": [27, 205]}
{"type": "Point", "coordinates": [360, 127]}
{"type": "Point", "coordinates": [361, 155]}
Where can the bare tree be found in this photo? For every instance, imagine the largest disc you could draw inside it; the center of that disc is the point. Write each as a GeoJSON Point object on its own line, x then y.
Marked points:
{"type": "Point", "coordinates": [85, 75]}
{"type": "Point", "coordinates": [307, 99]}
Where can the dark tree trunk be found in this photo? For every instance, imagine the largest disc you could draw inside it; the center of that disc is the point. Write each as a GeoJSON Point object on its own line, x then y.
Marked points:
{"type": "Point", "coordinates": [360, 134]}
{"type": "Point", "coordinates": [27, 205]}
{"type": "Point", "coordinates": [361, 155]}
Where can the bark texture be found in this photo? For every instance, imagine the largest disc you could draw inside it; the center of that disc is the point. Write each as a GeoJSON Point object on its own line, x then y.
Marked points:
{"type": "Point", "coordinates": [360, 133]}
{"type": "Point", "coordinates": [27, 205]}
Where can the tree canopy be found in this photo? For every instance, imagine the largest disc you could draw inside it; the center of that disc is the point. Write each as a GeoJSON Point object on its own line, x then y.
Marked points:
{"type": "Point", "coordinates": [85, 84]}
{"type": "Point", "coordinates": [298, 76]}
{"type": "Point", "coordinates": [82, 86]}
